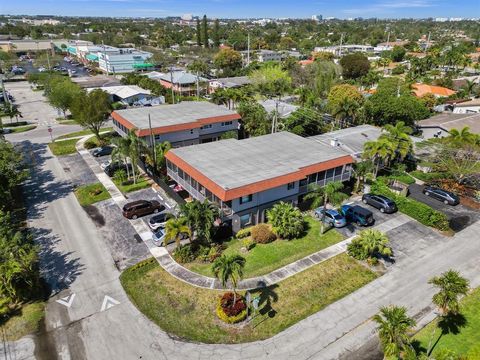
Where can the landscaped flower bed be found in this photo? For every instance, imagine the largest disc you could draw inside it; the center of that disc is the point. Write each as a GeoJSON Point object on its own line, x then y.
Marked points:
{"type": "Point", "coordinates": [232, 308]}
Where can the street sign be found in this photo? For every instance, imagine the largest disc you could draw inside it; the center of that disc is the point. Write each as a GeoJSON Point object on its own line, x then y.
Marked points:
{"type": "Point", "coordinates": [256, 302]}
{"type": "Point", "coordinates": [50, 129]}
{"type": "Point", "coordinates": [248, 297]}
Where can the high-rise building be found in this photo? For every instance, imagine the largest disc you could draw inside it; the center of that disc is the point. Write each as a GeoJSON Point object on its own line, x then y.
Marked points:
{"type": "Point", "coordinates": [317, 17]}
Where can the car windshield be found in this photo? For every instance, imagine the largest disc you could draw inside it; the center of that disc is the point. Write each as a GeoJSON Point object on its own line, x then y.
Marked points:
{"type": "Point", "coordinates": [338, 217]}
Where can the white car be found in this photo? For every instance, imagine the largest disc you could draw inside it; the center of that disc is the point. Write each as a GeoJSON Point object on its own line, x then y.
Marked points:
{"type": "Point", "coordinates": [159, 236]}
{"type": "Point", "coordinates": [105, 164]}
{"type": "Point", "coordinates": [159, 220]}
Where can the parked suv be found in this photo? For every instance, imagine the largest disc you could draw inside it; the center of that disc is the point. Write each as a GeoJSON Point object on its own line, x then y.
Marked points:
{"type": "Point", "coordinates": [445, 196]}
{"type": "Point", "coordinates": [111, 168]}
{"type": "Point", "coordinates": [384, 204]}
{"type": "Point", "coordinates": [358, 215]}
{"type": "Point", "coordinates": [331, 217]}
{"type": "Point", "coordinates": [141, 207]}
{"type": "Point", "coordinates": [102, 151]}
{"type": "Point", "coordinates": [159, 220]}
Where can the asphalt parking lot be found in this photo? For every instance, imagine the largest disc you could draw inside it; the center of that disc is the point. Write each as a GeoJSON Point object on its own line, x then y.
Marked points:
{"type": "Point", "coordinates": [459, 216]}
{"type": "Point", "coordinates": [351, 229]}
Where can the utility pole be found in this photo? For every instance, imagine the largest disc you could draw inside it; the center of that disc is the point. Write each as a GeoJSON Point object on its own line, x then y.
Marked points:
{"type": "Point", "coordinates": [171, 82]}
{"type": "Point", "coordinates": [275, 117]}
{"type": "Point", "coordinates": [248, 49]}
{"type": "Point", "coordinates": [198, 88]}
{"type": "Point", "coordinates": [428, 42]}
{"type": "Point", "coordinates": [388, 39]}
{"type": "Point", "coordinates": [341, 42]}
{"type": "Point", "coordinates": [152, 141]}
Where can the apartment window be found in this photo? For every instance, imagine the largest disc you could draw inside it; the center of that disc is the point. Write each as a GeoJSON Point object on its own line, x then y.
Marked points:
{"type": "Point", "coordinates": [330, 173]}
{"type": "Point", "coordinates": [291, 186]}
{"type": "Point", "coordinates": [227, 123]}
{"type": "Point", "coordinates": [246, 199]}
{"type": "Point", "coordinates": [312, 178]}
{"type": "Point", "coordinates": [191, 131]}
{"type": "Point", "coordinates": [157, 137]}
{"type": "Point", "coordinates": [245, 220]}
{"type": "Point", "coordinates": [321, 176]}
{"type": "Point", "coordinates": [338, 170]}
{"type": "Point", "coordinates": [303, 182]}
{"type": "Point", "coordinates": [208, 126]}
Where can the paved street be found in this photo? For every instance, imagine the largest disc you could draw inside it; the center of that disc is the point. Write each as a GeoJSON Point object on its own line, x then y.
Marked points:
{"type": "Point", "coordinates": [90, 317]}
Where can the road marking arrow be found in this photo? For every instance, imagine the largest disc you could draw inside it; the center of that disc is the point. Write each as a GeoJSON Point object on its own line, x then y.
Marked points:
{"type": "Point", "coordinates": [67, 300]}
{"type": "Point", "coordinates": [109, 302]}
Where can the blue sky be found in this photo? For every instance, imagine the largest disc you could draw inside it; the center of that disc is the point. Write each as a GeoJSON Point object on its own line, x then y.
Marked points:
{"type": "Point", "coordinates": [247, 8]}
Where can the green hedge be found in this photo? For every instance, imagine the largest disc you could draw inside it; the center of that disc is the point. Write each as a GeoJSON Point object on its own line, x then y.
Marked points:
{"type": "Point", "coordinates": [403, 177]}
{"type": "Point", "coordinates": [427, 176]}
{"type": "Point", "coordinates": [415, 209]}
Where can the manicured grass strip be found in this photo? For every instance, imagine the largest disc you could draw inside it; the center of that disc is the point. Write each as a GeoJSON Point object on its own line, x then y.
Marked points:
{"type": "Point", "coordinates": [467, 341]}
{"type": "Point", "coordinates": [90, 194]}
{"type": "Point", "coordinates": [25, 322]}
{"type": "Point", "coordinates": [67, 122]}
{"type": "Point", "coordinates": [82, 133]}
{"type": "Point", "coordinates": [265, 258]}
{"type": "Point", "coordinates": [140, 184]}
{"type": "Point", "coordinates": [189, 312]}
{"type": "Point", "coordinates": [23, 128]}
{"type": "Point", "coordinates": [63, 147]}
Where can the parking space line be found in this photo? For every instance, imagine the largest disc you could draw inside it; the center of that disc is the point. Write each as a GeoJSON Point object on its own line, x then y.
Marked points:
{"type": "Point", "coordinates": [160, 197]}
{"type": "Point", "coordinates": [167, 205]}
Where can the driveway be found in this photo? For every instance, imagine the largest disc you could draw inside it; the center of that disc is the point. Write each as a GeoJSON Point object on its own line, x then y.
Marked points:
{"type": "Point", "coordinates": [460, 216]}
{"type": "Point", "coordinates": [380, 218]}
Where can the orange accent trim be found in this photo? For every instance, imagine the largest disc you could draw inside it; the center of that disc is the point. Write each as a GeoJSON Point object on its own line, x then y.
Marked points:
{"type": "Point", "coordinates": [173, 128]}
{"type": "Point", "coordinates": [262, 185]}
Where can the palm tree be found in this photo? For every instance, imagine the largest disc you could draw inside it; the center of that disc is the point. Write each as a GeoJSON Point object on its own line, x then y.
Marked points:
{"type": "Point", "coordinates": [347, 110]}
{"type": "Point", "coordinates": [469, 87]}
{"type": "Point", "coordinates": [174, 229]}
{"type": "Point", "coordinates": [134, 151]}
{"type": "Point", "coordinates": [219, 97]}
{"type": "Point", "coordinates": [368, 244]}
{"type": "Point", "coordinates": [12, 111]}
{"type": "Point", "coordinates": [398, 135]}
{"type": "Point", "coordinates": [229, 268]}
{"type": "Point", "coordinates": [461, 137]}
{"type": "Point", "coordinates": [451, 286]}
{"type": "Point", "coordinates": [394, 326]}
{"type": "Point", "coordinates": [200, 218]}
{"type": "Point", "coordinates": [380, 151]}
{"type": "Point", "coordinates": [155, 156]}
{"type": "Point", "coordinates": [362, 171]}
{"type": "Point", "coordinates": [122, 151]}
{"type": "Point", "coordinates": [287, 220]}
{"type": "Point", "coordinates": [330, 193]}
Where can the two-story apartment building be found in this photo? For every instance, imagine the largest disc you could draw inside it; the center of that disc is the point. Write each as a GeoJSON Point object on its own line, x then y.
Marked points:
{"type": "Point", "coordinates": [246, 177]}
{"type": "Point", "coordinates": [186, 123]}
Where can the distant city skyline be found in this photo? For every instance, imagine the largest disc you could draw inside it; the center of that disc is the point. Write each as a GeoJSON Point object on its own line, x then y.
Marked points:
{"type": "Point", "coordinates": [342, 9]}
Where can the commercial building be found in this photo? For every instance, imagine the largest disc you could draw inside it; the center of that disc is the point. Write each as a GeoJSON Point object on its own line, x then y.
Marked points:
{"type": "Point", "coordinates": [244, 178]}
{"type": "Point", "coordinates": [124, 60]}
{"type": "Point", "coordinates": [186, 123]}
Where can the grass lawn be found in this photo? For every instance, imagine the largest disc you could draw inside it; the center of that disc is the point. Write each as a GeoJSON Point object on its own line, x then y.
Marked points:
{"type": "Point", "coordinates": [25, 322]}
{"type": "Point", "coordinates": [82, 133]}
{"type": "Point", "coordinates": [141, 183]}
{"type": "Point", "coordinates": [63, 147]}
{"type": "Point", "coordinates": [20, 129]}
{"type": "Point", "coordinates": [189, 312]}
{"type": "Point", "coordinates": [467, 341]}
{"type": "Point", "coordinates": [66, 122]}
{"type": "Point", "coordinates": [90, 194]}
{"type": "Point", "coordinates": [264, 258]}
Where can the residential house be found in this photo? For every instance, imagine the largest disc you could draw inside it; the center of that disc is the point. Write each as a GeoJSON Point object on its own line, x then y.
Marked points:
{"type": "Point", "coordinates": [467, 107]}
{"type": "Point", "coordinates": [438, 91]}
{"type": "Point", "coordinates": [227, 83]}
{"type": "Point", "coordinates": [186, 123]}
{"type": "Point", "coordinates": [246, 177]}
{"type": "Point", "coordinates": [440, 125]}
{"type": "Point", "coordinates": [126, 94]}
{"type": "Point", "coordinates": [283, 108]}
{"type": "Point", "coordinates": [183, 82]}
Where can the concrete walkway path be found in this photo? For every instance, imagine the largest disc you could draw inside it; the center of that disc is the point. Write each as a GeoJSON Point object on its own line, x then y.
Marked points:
{"type": "Point", "coordinates": [175, 269]}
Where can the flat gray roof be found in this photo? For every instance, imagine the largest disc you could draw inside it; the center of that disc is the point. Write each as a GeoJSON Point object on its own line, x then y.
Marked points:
{"type": "Point", "coordinates": [449, 121]}
{"type": "Point", "coordinates": [351, 139]}
{"type": "Point", "coordinates": [175, 114]}
{"type": "Point", "coordinates": [234, 163]}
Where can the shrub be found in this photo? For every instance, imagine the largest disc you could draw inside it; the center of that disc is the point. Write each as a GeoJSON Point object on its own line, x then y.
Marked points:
{"type": "Point", "coordinates": [184, 254]}
{"type": "Point", "coordinates": [427, 177]}
{"type": "Point", "coordinates": [214, 252]}
{"type": "Point", "coordinates": [248, 243]}
{"type": "Point", "coordinates": [417, 210]}
{"type": "Point", "coordinates": [243, 233]}
{"type": "Point", "coordinates": [120, 175]}
{"type": "Point", "coordinates": [90, 144]}
{"type": "Point", "coordinates": [231, 312]}
{"type": "Point", "coordinates": [402, 177]}
{"type": "Point", "coordinates": [369, 244]}
{"type": "Point", "coordinates": [262, 234]}
{"type": "Point", "coordinates": [287, 221]}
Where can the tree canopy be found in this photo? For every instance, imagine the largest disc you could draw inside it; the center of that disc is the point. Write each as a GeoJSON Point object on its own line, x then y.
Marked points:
{"type": "Point", "coordinates": [354, 65]}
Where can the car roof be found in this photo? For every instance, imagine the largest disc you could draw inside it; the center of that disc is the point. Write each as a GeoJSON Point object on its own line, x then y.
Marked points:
{"type": "Point", "coordinates": [362, 210]}
{"type": "Point", "coordinates": [332, 212]}
{"type": "Point", "coordinates": [138, 202]}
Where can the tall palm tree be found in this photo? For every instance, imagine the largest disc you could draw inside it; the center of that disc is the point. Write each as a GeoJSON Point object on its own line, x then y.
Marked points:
{"type": "Point", "coordinates": [380, 151]}
{"type": "Point", "coordinates": [12, 111]}
{"type": "Point", "coordinates": [347, 110]}
{"type": "Point", "coordinates": [229, 268]}
{"type": "Point", "coordinates": [398, 135]}
{"type": "Point", "coordinates": [174, 229]}
{"type": "Point", "coordinates": [394, 326]}
{"type": "Point", "coordinates": [470, 86]}
{"type": "Point", "coordinates": [155, 156]}
{"type": "Point", "coordinates": [451, 286]}
{"type": "Point", "coordinates": [362, 170]}
{"type": "Point", "coordinates": [134, 151]}
{"type": "Point", "coordinates": [122, 151]}
{"type": "Point", "coordinates": [321, 196]}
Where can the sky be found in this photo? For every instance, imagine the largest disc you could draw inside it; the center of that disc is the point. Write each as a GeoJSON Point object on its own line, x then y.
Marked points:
{"type": "Point", "coordinates": [246, 8]}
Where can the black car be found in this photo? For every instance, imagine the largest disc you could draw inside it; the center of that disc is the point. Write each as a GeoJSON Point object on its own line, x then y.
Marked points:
{"type": "Point", "coordinates": [357, 214]}
{"type": "Point", "coordinates": [384, 204]}
{"type": "Point", "coordinates": [102, 151]}
{"type": "Point", "coordinates": [113, 167]}
{"type": "Point", "coordinates": [444, 196]}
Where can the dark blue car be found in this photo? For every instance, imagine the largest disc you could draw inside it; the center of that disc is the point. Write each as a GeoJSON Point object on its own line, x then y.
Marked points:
{"type": "Point", "coordinates": [358, 215]}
